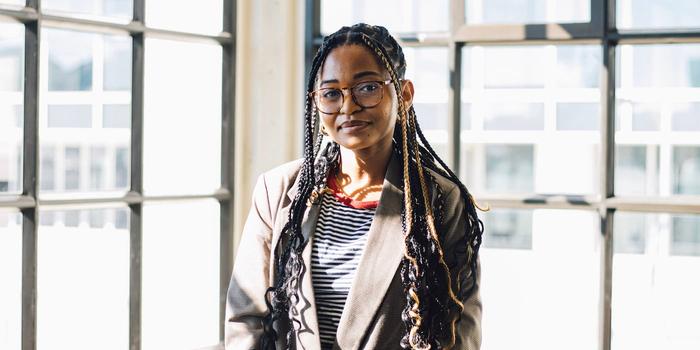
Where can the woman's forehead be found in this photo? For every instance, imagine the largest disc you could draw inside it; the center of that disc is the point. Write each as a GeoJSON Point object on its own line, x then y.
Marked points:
{"type": "Point", "coordinates": [345, 62]}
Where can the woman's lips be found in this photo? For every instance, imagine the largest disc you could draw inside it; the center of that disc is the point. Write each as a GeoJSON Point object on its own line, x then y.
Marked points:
{"type": "Point", "coordinates": [353, 125]}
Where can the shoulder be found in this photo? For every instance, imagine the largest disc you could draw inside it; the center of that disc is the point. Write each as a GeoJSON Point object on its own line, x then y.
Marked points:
{"type": "Point", "coordinates": [276, 182]}
{"type": "Point", "coordinates": [283, 172]}
{"type": "Point", "coordinates": [446, 185]}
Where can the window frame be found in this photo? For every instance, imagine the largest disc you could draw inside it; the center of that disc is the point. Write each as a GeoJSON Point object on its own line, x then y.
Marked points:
{"type": "Point", "coordinates": [600, 30]}
{"type": "Point", "coordinates": [34, 19]}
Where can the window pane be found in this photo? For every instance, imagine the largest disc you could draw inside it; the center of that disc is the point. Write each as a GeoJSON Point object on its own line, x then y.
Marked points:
{"type": "Point", "coordinates": [519, 113]}
{"type": "Point", "coordinates": [70, 59]}
{"type": "Point", "coordinates": [512, 116]}
{"type": "Point", "coordinates": [685, 235]}
{"type": "Point", "coordinates": [648, 14]}
{"type": "Point", "coordinates": [204, 16]}
{"type": "Point", "coordinates": [117, 63]}
{"type": "Point", "coordinates": [180, 267]}
{"type": "Point", "coordinates": [578, 66]}
{"type": "Point", "coordinates": [116, 116]}
{"type": "Point", "coordinates": [658, 268]}
{"type": "Point", "coordinates": [526, 11]}
{"type": "Point", "coordinates": [11, 277]}
{"type": "Point", "coordinates": [83, 275]}
{"type": "Point", "coordinates": [408, 16]}
{"type": "Point", "coordinates": [686, 170]}
{"type": "Point", "coordinates": [578, 116]}
{"type": "Point", "coordinates": [637, 170]}
{"type": "Point", "coordinates": [11, 110]}
{"type": "Point", "coordinates": [532, 302]}
{"type": "Point", "coordinates": [508, 229]}
{"type": "Point", "coordinates": [514, 67]}
{"type": "Point", "coordinates": [13, 2]}
{"type": "Point", "coordinates": [85, 107]}
{"type": "Point", "coordinates": [69, 116]}
{"type": "Point", "coordinates": [72, 168]}
{"type": "Point", "coordinates": [686, 117]}
{"type": "Point", "coordinates": [48, 168]}
{"type": "Point", "coordinates": [427, 68]}
{"type": "Point", "coordinates": [509, 168]}
{"type": "Point", "coordinates": [114, 10]}
{"type": "Point", "coordinates": [657, 124]}
{"type": "Point", "coordinates": [182, 123]}
{"type": "Point", "coordinates": [660, 65]}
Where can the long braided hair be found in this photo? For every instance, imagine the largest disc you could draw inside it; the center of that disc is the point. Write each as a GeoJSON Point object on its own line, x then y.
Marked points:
{"type": "Point", "coordinates": [433, 303]}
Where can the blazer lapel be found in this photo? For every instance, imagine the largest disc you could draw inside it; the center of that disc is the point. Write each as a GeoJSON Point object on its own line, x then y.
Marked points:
{"type": "Point", "coordinates": [378, 264]}
{"type": "Point", "coordinates": [376, 270]}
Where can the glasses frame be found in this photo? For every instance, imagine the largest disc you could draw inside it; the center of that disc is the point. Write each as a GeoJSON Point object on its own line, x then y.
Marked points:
{"type": "Point", "coordinates": [314, 94]}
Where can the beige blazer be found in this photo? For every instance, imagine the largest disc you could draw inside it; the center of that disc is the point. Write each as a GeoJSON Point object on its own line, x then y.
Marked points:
{"type": "Point", "coordinates": [372, 315]}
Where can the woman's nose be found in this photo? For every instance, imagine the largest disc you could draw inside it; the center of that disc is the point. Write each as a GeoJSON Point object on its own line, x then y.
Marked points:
{"type": "Point", "coordinates": [349, 106]}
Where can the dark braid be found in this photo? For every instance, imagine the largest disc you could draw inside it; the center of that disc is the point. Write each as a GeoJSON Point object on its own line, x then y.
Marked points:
{"type": "Point", "coordinates": [432, 306]}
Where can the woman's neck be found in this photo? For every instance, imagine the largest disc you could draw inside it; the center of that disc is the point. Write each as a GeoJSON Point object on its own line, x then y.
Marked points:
{"type": "Point", "coordinates": [362, 169]}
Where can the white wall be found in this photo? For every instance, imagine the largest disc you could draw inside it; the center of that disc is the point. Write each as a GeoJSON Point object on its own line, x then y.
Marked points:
{"type": "Point", "coordinates": [269, 92]}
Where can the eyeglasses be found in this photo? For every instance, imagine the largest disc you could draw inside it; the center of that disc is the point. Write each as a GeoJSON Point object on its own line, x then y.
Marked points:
{"type": "Point", "coordinates": [366, 94]}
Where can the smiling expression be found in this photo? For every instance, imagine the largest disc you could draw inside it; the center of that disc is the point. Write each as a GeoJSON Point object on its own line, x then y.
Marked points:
{"type": "Point", "coordinates": [355, 127]}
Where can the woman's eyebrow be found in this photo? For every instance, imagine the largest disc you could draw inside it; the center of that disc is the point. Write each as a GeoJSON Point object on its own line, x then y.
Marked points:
{"type": "Point", "coordinates": [356, 76]}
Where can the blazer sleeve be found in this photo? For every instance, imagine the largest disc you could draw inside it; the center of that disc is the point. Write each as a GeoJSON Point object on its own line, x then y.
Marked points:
{"type": "Point", "coordinates": [468, 327]}
{"type": "Point", "coordinates": [245, 301]}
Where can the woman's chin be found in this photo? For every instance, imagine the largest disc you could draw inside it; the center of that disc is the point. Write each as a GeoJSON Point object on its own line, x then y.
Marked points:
{"type": "Point", "coordinates": [354, 143]}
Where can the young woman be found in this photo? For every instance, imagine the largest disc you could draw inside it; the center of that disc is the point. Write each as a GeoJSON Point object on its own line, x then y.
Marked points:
{"type": "Point", "coordinates": [368, 242]}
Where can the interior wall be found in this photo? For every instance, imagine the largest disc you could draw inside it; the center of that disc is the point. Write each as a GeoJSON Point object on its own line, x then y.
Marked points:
{"type": "Point", "coordinates": [269, 92]}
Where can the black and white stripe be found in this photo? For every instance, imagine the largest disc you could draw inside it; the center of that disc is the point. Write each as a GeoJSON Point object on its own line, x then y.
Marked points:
{"type": "Point", "coordinates": [338, 243]}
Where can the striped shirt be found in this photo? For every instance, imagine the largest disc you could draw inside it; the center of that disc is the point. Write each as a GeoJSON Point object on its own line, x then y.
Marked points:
{"type": "Point", "coordinates": [338, 243]}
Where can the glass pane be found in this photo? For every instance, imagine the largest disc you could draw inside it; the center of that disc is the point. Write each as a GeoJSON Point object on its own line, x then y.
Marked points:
{"type": "Point", "coordinates": [111, 10]}
{"type": "Point", "coordinates": [578, 116]}
{"type": "Point", "coordinates": [509, 168]}
{"type": "Point", "coordinates": [686, 117]}
{"type": "Point", "coordinates": [83, 279]}
{"type": "Point", "coordinates": [648, 14]}
{"type": "Point", "coordinates": [11, 109]}
{"type": "Point", "coordinates": [657, 124]}
{"type": "Point", "coordinates": [514, 116]}
{"type": "Point", "coordinates": [11, 277]}
{"type": "Point", "coordinates": [186, 158]}
{"type": "Point", "coordinates": [527, 11]}
{"type": "Point", "coordinates": [637, 169]}
{"type": "Point", "coordinates": [518, 114]}
{"type": "Point", "coordinates": [180, 267]}
{"type": "Point", "coordinates": [686, 170]}
{"type": "Point", "coordinates": [655, 261]}
{"type": "Point", "coordinates": [204, 16]}
{"type": "Point", "coordinates": [408, 16]}
{"type": "Point", "coordinates": [13, 3]}
{"type": "Point", "coordinates": [532, 302]}
{"type": "Point", "coordinates": [70, 60]}
{"type": "Point", "coordinates": [117, 63]}
{"type": "Point", "coordinates": [427, 68]}
{"type": "Point", "coordinates": [86, 106]}
{"type": "Point", "coordinates": [514, 67]}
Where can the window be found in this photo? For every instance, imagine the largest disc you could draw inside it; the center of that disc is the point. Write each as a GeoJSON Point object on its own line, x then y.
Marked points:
{"type": "Point", "coordinates": [566, 148]}
{"type": "Point", "coordinates": [107, 74]}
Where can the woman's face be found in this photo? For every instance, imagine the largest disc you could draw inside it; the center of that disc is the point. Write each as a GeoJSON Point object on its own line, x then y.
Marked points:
{"type": "Point", "coordinates": [355, 127]}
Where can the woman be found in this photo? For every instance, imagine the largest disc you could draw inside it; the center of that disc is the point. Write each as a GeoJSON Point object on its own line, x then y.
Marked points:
{"type": "Point", "coordinates": [368, 242]}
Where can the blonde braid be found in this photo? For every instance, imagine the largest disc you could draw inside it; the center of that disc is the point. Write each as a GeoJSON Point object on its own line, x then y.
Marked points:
{"type": "Point", "coordinates": [403, 118]}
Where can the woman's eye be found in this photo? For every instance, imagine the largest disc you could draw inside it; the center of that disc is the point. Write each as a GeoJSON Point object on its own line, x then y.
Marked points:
{"type": "Point", "coordinates": [331, 94]}
{"type": "Point", "coordinates": [368, 87]}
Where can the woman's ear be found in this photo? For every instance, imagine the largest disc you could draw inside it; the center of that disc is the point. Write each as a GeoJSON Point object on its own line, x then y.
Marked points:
{"type": "Point", "coordinates": [407, 92]}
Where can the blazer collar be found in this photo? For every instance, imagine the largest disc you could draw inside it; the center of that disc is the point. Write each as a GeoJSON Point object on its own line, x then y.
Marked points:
{"type": "Point", "coordinates": [376, 270]}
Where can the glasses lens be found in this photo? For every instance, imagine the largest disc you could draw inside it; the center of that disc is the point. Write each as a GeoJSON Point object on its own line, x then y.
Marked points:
{"type": "Point", "coordinates": [368, 94]}
{"type": "Point", "coordinates": [329, 100]}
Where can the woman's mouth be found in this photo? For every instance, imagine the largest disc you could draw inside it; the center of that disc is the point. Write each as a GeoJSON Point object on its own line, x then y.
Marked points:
{"type": "Point", "coordinates": [353, 125]}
